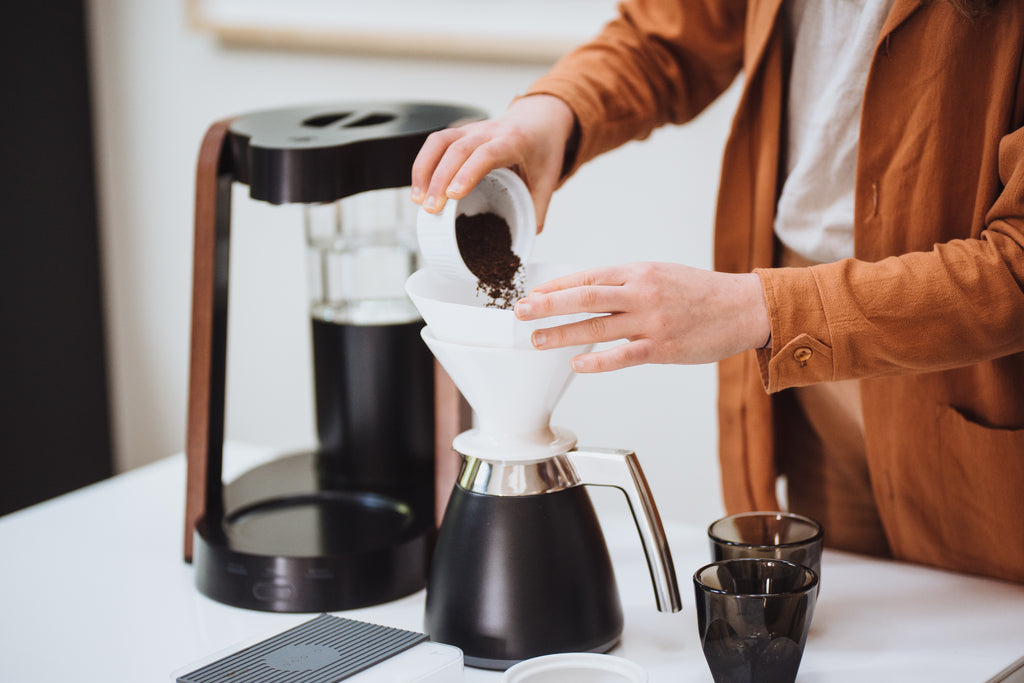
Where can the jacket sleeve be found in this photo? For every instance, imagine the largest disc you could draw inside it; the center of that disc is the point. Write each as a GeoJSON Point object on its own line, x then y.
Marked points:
{"type": "Point", "coordinates": [658, 62]}
{"type": "Point", "coordinates": [958, 304]}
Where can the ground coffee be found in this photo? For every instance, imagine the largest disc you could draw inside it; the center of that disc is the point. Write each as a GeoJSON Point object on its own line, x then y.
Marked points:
{"type": "Point", "coordinates": [485, 242]}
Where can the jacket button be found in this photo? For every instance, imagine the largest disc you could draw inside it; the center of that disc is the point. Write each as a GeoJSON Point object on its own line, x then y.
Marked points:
{"type": "Point", "coordinates": [802, 354]}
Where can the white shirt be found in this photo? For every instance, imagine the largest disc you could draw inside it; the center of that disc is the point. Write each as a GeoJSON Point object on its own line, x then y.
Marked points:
{"type": "Point", "coordinates": [832, 45]}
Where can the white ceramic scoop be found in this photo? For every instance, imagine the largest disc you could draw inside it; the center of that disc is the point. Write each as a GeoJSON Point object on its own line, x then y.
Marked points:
{"type": "Point", "coordinates": [501, 192]}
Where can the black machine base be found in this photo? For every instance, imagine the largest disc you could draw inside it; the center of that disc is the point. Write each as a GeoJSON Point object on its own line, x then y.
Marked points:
{"type": "Point", "coordinates": [284, 544]}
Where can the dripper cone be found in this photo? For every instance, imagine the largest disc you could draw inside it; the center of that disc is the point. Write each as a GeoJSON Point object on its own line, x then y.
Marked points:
{"type": "Point", "coordinates": [513, 392]}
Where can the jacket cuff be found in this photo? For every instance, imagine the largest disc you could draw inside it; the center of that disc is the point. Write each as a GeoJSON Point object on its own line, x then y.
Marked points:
{"type": "Point", "coordinates": [801, 351]}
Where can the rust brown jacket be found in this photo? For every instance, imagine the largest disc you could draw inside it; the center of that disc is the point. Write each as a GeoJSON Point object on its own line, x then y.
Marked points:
{"type": "Point", "coordinates": [928, 315]}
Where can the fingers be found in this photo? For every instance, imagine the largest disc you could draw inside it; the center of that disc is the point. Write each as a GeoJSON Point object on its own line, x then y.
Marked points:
{"type": "Point", "coordinates": [451, 162]}
{"type": "Point", "coordinates": [616, 358]}
{"type": "Point", "coordinates": [586, 299]}
{"type": "Point", "coordinates": [425, 164]}
{"type": "Point", "coordinates": [529, 137]}
{"type": "Point", "coordinates": [608, 276]}
{"type": "Point", "coordinates": [592, 291]}
{"type": "Point", "coordinates": [602, 328]}
{"type": "Point", "coordinates": [476, 156]}
{"type": "Point", "coordinates": [607, 290]}
{"type": "Point", "coordinates": [452, 170]}
{"type": "Point", "coordinates": [606, 328]}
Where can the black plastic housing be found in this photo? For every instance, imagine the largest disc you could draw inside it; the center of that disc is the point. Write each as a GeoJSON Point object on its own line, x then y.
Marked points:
{"type": "Point", "coordinates": [324, 153]}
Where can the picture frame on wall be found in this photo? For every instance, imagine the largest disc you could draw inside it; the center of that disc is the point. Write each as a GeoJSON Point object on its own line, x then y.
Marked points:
{"type": "Point", "coordinates": [513, 30]}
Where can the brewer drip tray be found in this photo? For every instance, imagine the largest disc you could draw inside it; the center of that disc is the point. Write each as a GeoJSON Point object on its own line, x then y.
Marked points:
{"type": "Point", "coordinates": [285, 544]}
{"type": "Point", "coordinates": [326, 523]}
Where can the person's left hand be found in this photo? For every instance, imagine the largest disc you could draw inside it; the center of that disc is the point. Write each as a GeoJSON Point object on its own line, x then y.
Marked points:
{"type": "Point", "coordinates": [666, 312]}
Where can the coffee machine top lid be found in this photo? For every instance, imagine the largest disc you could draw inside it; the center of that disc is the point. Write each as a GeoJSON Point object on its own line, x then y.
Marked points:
{"type": "Point", "coordinates": [323, 153]}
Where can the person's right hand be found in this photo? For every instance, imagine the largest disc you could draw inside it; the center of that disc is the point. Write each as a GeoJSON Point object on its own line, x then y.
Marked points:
{"type": "Point", "coordinates": [530, 137]}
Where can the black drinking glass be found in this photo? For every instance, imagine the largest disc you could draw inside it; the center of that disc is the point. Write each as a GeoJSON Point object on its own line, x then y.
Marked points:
{"type": "Point", "coordinates": [753, 616]}
{"type": "Point", "coordinates": [768, 535]}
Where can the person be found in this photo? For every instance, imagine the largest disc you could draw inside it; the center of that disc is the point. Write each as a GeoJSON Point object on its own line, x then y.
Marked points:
{"type": "Point", "coordinates": [866, 309]}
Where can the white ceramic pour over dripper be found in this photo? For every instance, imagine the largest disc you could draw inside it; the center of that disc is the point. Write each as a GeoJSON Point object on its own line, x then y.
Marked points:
{"type": "Point", "coordinates": [513, 392]}
{"type": "Point", "coordinates": [512, 387]}
{"type": "Point", "coordinates": [501, 192]}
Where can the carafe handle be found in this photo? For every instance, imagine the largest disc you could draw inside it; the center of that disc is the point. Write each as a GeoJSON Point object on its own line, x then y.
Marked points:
{"type": "Point", "coordinates": [621, 469]}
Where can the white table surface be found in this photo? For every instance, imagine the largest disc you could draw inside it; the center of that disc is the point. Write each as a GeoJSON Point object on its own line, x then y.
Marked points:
{"type": "Point", "coordinates": [94, 589]}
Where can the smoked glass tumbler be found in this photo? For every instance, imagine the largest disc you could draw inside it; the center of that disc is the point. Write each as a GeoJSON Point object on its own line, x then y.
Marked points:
{"type": "Point", "coordinates": [753, 616]}
{"type": "Point", "coordinates": [769, 535]}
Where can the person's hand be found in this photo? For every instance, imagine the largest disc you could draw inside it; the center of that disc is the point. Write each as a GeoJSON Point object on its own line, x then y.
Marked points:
{"type": "Point", "coordinates": [530, 137]}
{"type": "Point", "coordinates": [666, 312]}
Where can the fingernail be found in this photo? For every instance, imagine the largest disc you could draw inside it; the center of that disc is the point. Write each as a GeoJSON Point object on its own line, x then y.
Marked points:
{"type": "Point", "coordinates": [417, 194]}
{"type": "Point", "coordinates": [522, 308]}
{"type": "Point", "coordinates": [539, 338]}
{"type": "Point", "coordinates": [578, 364]}
{"type": "Point", "coordinates": [432, 203]}
{"type": "Point", "coordinates": [455, 188]}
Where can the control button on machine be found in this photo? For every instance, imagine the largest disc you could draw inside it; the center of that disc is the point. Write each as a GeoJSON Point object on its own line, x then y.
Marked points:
{"type": "Point", "coordinates": [266, 590]}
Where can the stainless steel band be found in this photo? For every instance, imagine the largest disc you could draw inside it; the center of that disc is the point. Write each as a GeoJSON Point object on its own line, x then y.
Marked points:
{"type": "Point", "coordinates": [517, 478]}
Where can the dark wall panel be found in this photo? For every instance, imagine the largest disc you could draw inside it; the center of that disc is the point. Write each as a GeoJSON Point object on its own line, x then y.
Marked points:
{"type": "Point", "coordinates": [54, 417]}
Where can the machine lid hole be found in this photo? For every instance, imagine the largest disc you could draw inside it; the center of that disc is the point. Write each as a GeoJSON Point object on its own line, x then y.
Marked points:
{"type": "Point", "coordinates": [374, 119]}
{"type": "Point", "coordinates": [325, 120]}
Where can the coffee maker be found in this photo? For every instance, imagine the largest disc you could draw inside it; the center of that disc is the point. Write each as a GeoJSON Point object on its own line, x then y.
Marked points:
{"type": "Point", "coordinates": [352, 522]}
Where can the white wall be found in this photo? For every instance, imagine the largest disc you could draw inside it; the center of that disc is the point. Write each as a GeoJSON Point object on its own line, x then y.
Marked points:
{"type": "Point", "coordinates": [158, 85]}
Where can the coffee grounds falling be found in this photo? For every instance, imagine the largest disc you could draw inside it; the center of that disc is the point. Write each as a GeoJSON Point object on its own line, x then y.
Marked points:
{"type": "Point", "coordinates": [485, 242]}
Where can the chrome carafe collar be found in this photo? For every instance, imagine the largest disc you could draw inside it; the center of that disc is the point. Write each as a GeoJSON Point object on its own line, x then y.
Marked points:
{"type": "Point", "coordinates": [504, 478]}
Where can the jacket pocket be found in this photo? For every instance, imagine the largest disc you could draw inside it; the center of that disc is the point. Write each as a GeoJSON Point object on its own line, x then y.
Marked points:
{"type": "Point", "coordinates": [983, 481]}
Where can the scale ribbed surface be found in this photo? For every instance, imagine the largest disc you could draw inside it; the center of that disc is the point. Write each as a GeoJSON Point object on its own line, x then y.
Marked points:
{"type": "Point", "coordinates": [322, 650]}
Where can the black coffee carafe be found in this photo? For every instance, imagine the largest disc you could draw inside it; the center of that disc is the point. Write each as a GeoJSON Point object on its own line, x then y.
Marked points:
{"type": "Point", "coordinates": [522, 570]}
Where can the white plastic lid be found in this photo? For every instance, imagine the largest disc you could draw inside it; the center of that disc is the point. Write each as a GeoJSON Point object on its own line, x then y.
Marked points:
{"type": "Point", "coordinates": [576, 667]}
{"type": "Point", "coordinates": [501, 192]}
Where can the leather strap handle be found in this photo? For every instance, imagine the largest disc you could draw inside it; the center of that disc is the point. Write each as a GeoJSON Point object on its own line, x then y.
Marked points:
{"type": "Point", "coordinates": [204, 443]}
